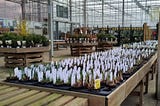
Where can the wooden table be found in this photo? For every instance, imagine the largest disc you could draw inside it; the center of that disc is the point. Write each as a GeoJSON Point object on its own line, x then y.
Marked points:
{"type": "Point", "coordinates": [78, 49]}
{"type": "Point", "coordinates": [23, 56]}
{"type": "Point", "coordinates": [58, 43]}
{"type": "Point", "coordinates": [102, 46]}
{"type": "Point", "coordinates": [18, 96]}
{"type": "Point", "coordinates": [121, 93]}
{"type": "Point", "coordinates": [117, 96]}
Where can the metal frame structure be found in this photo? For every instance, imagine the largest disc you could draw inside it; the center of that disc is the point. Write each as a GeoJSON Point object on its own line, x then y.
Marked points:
{"type": "Point", "coordinates": [97, 12]}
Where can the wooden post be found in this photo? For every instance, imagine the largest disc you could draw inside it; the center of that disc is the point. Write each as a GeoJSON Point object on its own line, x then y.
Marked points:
{"type": "Point", "coordinates": [145, 31]}
{"type": "Point", "coordinates": [158, 73]}
{"type": "Point", "coordinates": [146, 83]}
{"type": "Point", "coordinates": [141, 93]}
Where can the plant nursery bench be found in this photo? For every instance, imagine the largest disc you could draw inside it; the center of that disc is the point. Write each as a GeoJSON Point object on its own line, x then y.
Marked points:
{"type": "Point", "coordinates": [103, 97]}
{"type": "Point", "coordinates": [102, 46]}
{"type": "Point", "coordinates": [23, 56]}
{"type": "Point", "coordinates": [58, 43]}
{"type": "Point", "coordinates": [78, 49]}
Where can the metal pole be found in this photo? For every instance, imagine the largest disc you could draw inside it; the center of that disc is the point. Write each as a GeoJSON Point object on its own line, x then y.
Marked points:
{"type": "Point", "coordinates": [39, 11]}
{"type": "Point", "coordinates": [84, 14]}
{"type": "Point", "coordinates": [50, 27]}
{"type": "Point", "coordinates": [70, 8]}
{"type": "Point", "coordinates": [102, 13]}
{"type": "Point", "coordinates": [123, 14]}
{"type": "Point", "coordinates": [23, 9]}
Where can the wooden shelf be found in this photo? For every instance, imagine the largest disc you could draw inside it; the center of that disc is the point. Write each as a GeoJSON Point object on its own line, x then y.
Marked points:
{"type": "Point", "coordinates": [23, 56]}
{"type": "Point", "coordinates": [78, 49]}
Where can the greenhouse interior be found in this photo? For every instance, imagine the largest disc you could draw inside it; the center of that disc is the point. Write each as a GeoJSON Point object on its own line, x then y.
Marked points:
{"type": "Point", "coordinates": [79, 53]}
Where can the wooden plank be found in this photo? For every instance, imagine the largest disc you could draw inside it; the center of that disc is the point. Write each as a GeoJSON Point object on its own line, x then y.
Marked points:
{"type": "Point", "coordinates": [11, 94]}
{"type": "Point", "coordinates": [14, 60]}
{"type": "Point", "coordinates": [13, 65]}
{"type": "Point", "coordinates": [34, 60]}
{"type": "Point", "coordinates": [3, 87]}
{"type": "Point", "coordinates": [61, 101]}
{"type": "Point", "coordinates": [8, 90]}
{"type": "Point", "coordinates": [30, 99]}
{"type": "Point", "coordinates": [131, 83]}
{"type": "Point", "coordinates": [24, 50]}
{"type": "Point", "coordinates": [34, 55]}
{"type": "Point", "coordinates": [78, 102]}
{"type": "Point", "coordinates": [117, 96]}
{"type": "Point", "coordinates": [18, 97]}
{"type": "Point", "coordinates": [46, 100]}
{"type": "Point", "coordinates": [92, 99]}
{"type": "Point", "coordinates": [14, 55]}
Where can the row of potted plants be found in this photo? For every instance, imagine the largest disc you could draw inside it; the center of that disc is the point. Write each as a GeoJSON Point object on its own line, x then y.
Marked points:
{"type": "Point", "coordinates": [88, 71]}
{"type": "Point", "coordinates": [91, 39]}
{"type": "Point", "coordinates": [13, 40]}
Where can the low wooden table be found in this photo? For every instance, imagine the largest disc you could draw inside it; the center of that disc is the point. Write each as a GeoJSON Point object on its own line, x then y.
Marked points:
{"type": "Point", "coordinates": [117, 96]}
{"type": "Point", "coordinates": [59, 43]}
{"type": "Point", "coordinates": [23, 56]}
{"type": "Point", "coordinates": [78, 49]}
{"type": "Point", "coordinates": [102, 46]}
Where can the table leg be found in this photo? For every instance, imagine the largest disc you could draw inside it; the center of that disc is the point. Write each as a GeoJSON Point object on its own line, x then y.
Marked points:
{"type": "Point", "coordinates": [141, 93]}
{"type": "Point", "coordinates": [146, 83]}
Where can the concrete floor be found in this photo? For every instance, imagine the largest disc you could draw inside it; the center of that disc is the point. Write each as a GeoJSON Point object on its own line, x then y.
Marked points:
{"type": "Point", "coordinates": [149, 99]}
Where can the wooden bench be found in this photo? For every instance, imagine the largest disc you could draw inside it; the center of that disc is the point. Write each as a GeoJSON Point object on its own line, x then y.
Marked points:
{"type": "Point", "coordinates": [116, 96]}
{"type": "Point", "coordinates": [78, 49]}
{"type": "Point", "coordinates": [22, 59]}
{"type": "Point", "coordinates": [16, 96]}
{"type": "Point", "coordinates": [102, 46]}
{"type": "Point", "coordinates": [58, 43]}
{"type": "Point", "coordinates": [15, 57]}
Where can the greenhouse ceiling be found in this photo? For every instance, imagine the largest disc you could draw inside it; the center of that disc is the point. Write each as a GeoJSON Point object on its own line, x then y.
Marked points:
{"type": "Point", "coordinates": [110, 12]}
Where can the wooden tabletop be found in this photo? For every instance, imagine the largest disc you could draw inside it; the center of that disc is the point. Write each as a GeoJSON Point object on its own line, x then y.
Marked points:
{"type": "Point", "coordinates": [18, 96]}
{"type": "Point", "coordinates": [24, 50]}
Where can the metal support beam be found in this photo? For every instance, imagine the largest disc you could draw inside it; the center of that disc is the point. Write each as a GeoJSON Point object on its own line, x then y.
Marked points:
{"type": "Point", "coordinates": [102, 13]}
{"type": "Point", "coordinates": [70, 9]}
{"type": "Point", "coordinates": [84, 13]}
{"type": "Point", "coordinates": [23, 9]}
{"type": "Point", "coordinates": [50, 27]}
{"type": "Point", "coordinates": [117, 9]}
{"type": "Point", "coordinates": [141, 6]}
{"type": "Point", "coordinates": [123, 14]}
{"type": "Point", "coordinates": [39, 10]}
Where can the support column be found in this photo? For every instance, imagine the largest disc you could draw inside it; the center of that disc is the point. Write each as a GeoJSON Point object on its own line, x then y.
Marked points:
{"type": "Point", "coordinates": [39, 10]}
{"type": "Point", "coordinates": [50, 27]}
{"type": "Point", "coordinates": [84, 14]}
{"type": "Point", "coordinates": [123, 14]}
{"type": "Point", "coordinates": [70, 8]}
{"type": "Point", "coordinates": [57, 30]}
{"type": "Point", "coordinates": [158, 73]}
{"type": "Point", "coordinates": [102, 13]}
{"type": "Point", "coordinates": [23, 9]}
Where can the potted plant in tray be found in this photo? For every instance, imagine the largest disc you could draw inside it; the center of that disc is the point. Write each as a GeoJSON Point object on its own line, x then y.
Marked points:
{"type": "Point", "coordinates": [13, 40]}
